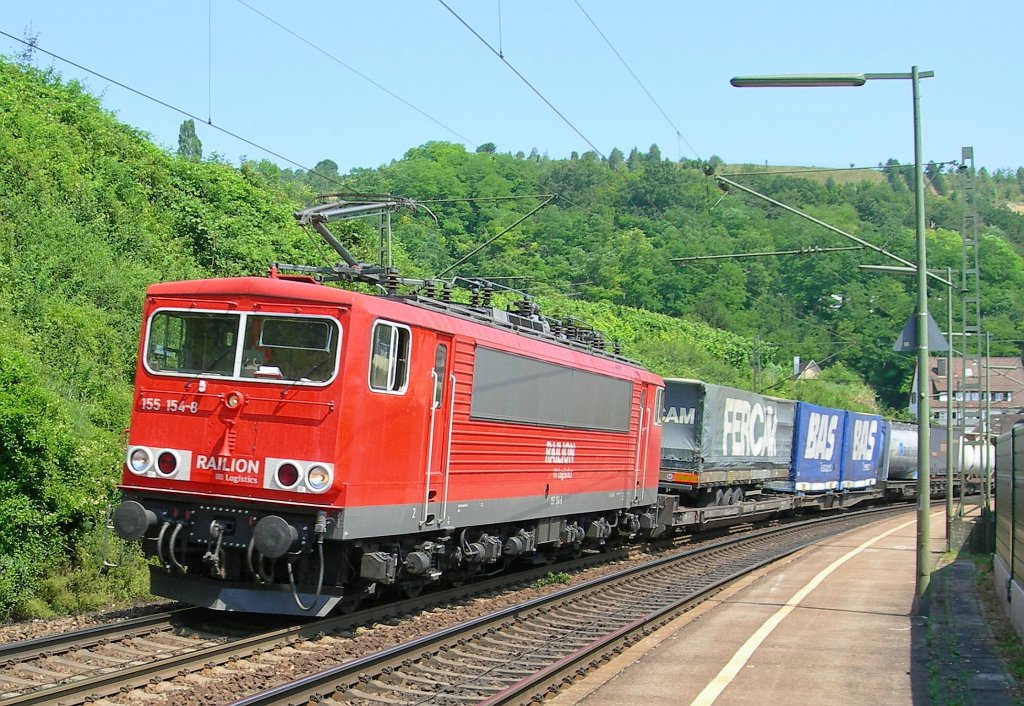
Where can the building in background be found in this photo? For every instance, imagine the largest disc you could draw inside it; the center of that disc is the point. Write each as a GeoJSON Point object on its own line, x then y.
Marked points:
{"type": "Point", "coordinates": [805, 371]}
{"type": "Point", "coordinates": [1002, 393]}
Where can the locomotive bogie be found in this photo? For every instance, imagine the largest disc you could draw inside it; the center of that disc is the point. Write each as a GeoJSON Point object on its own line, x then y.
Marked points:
{"type": "Point", "coordinates": [210, 554]}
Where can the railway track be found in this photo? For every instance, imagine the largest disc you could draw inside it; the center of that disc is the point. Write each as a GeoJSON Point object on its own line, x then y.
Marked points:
{"type": "Point", "coordinates": [194, 646]}
{"type": "Point", "coordinates": [101, 661]}
{"type": "Point", "coordinates": [104, 658]}
{"type": "Point", "coordinates": [80, 639]}
{"type": "Point", "coordinates": [529, 650]}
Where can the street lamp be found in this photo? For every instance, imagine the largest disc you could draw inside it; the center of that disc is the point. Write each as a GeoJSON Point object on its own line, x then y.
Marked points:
{"type": "Point", "coordinates": [923, 409]}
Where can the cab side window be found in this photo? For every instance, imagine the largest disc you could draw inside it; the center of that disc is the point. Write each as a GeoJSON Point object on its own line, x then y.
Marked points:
{"type": "Point", "coordinates": [440, 364]}
{"type": "Point", "coordinates": [659, 406]}
{"type": "Point", "coordinates": [389, 357]}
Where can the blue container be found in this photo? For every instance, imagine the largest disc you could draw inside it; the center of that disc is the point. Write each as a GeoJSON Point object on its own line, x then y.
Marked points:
{"type": "Point", "coordinates": [886, 441]}
{"type": "Point", "coordinates": [863, 447]}
{"type": "Point", "coordinates": [817, 449]}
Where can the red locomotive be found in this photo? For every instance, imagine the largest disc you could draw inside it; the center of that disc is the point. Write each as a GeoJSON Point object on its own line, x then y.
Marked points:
{"type": "Point", "coordinates": [296, 446]}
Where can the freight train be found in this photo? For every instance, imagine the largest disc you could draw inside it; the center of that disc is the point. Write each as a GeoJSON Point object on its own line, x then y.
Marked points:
{"type": "Point", "coordinates": [296, 447]}
{"type": "Point", "coordinates": [720, 445]}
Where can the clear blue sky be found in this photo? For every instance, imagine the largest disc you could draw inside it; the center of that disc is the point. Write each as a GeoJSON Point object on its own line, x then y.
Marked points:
{"type": "Point", "coordinates": [220, 59]}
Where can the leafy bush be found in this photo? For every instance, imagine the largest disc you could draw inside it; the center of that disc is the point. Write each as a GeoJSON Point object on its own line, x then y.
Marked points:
{"type": "Point", "coordinates": [91, 213]}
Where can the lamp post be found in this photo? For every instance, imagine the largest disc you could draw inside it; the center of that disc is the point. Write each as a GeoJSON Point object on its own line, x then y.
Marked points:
{"type": "Point", "coordinates": [923, 408]}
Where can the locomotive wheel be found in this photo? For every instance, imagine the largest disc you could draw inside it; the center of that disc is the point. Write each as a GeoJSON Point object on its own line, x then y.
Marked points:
{"type": "Point", "coordinates": [456, 578]}
{"type": "Point", "coordinates": [350, 604]}
{"type": "Point", "coordinates": [545, 558]}
{"type": "Point", "coordinates": [411, 589]}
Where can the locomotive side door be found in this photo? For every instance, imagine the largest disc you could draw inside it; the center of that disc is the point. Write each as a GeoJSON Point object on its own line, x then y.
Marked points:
{"type": "Point", "coordinates": [442, 401]}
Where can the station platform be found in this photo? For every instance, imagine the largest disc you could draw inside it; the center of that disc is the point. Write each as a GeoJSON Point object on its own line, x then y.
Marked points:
{"type": "Point", "coordinates": [831, 624]}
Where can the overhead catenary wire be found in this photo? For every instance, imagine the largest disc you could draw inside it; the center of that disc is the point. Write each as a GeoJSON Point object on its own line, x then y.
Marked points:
{"type": "Point", "coordinates": [807, 170]}
{"type": "Point", "coordinates": [813, 250]}
{"type": "Point", "coordinates": [486, 198]}
{"type": "Point", "coordinates": [472, 254]}
{"type": "Point", "coordinates": [794, 376]}
{"type": "Point", "coordinates": [35, 47]}
{"type": "Point", "coordinates": [808, 250]}
{"type": "Point", "coordinates": [522, 78]}
{"type": "Point", "coordinates": [636, 78]}
{"type": "Point", "coordinates": [805, 250]}
{"type": "Point", "coordinates": [853, 168]}
{"type": "Point", "coordinates": [358, 73]}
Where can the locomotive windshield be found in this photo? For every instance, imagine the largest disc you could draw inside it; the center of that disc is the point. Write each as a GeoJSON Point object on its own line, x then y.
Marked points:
{"type": "Point", "coordinates": [260, 347]}
{"type": "Point", "coordinates": [192, 343]}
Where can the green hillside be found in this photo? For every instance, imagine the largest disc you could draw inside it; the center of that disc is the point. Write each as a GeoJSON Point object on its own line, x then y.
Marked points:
{"type": "Point", "coordinates": [91, 213]}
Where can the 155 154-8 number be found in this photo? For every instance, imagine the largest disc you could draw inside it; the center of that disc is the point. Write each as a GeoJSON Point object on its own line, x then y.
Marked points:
{"type": "Point", "coordinates": [155, 404]}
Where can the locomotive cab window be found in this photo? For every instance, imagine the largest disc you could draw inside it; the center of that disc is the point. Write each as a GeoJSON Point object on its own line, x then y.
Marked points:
{"type": "Point", "coordinates": [300, 349]}
{"type": "Point", "coordinates": [389, 357]}
{"type": "Point", "coordinates": [659, 406]}
{"type": "Point", "coordinates": [189, 342]}
{"type": "Point", "coordinates": [440, 364]}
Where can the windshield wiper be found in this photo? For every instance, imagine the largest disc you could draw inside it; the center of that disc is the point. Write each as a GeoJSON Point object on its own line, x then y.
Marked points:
{"type": "Point", "coordinates": [305, 376]}
{"type": "Point", "coordinates": [216, 361]}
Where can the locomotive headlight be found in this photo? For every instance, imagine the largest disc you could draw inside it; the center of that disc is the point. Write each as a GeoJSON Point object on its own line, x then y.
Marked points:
{"type": "Point", "coordinates": [139, 460]}
{"type": "Point", "coordinates": [318, 478]}
{"type": "Point", "coordinates": [233, 400]}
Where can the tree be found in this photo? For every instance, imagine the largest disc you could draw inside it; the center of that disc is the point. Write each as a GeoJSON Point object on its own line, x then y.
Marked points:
{"type": "Point", "coordinates": [892, 173]}
{"type": "Point", "coordinates": [654, 154]}
{"type": "Point", "coordinates": [324, 177]}
{"type": "Point", "coordinates": [934, 174]}
{"type": "Point", "coordinates": [26, 56]}
{"type": "Point", "coordinates": [635, 158]}
{"type": "Point", "coordinates": [487, 147]}
{"type": "Point", "coordinates": [616, 160]}
{"type": "Point", "coordinates": [189, 145]}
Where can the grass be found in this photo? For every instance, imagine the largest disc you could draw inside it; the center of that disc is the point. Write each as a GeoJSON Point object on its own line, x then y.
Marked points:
{"type": "Point", "coordinates": [818, 174]}
{"type": "Point", "coordinates": [551, 579]}
{"type": "Point", "coordinates": [86, 584]}
{"type": "Point", "coordinates": [948, 681]}
{"type": "Point", "coordinates": [1008, 643]}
